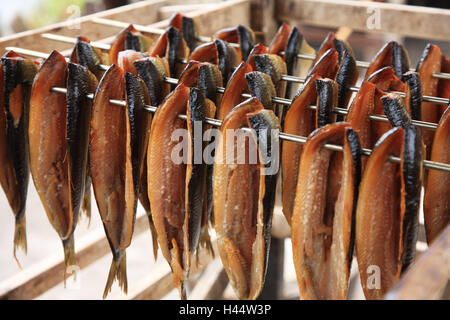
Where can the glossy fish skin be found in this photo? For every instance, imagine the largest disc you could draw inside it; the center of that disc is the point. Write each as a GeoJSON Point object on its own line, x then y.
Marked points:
{"type": "Point", "coordinates": [16, 74]}
{"type": "Point", "coordinates": [152, 71]}
{"type": "Point", "coordinates": [322, 241]}
{"type": "Point", "coordinates": [206, 52]}
{"type": "Point", "coordinates": [430, 63]}
{"type": "Point", "coordinates": [138, 122]}
{"type": "Point", "coordinates": [444, 84]}
{"type": "Point", "coordinates": [326, 45]}
{"type": "Point", "coordinates": [198, 109]}
{"type": "Point", "coordinates": [413, 98]}
{"type": "Point", "coordinates": [327, 100]}
{"type": "Point", "coordinates": [188, 27]}
{"type": "Point", "coordinates": [346, 78]}
{"type": "Point", "coordinates": [242, 222]}
{"type": "Point", "coordinates": [391, 54]}
{"type": "Point", "coordinates": [80, 82]}
{"type": "Point", "coordinates": [261, 87]}
{"type": "Point", "coordinates": [49, 162]}
{"type": "Point", "coordinates": [159, 46]}
{"type": "Point", "coordinates": [166, 183]}
{"type": "Point", "coordinates": [257, 49]}
{"type": "Point", "coordinates": [412, 174]}
{"type": "Point", "coordinates": [294, 66]}
{"type": "Point", "coordinates": [395, 110]}
{"type": "Point", "coordinates": [326, 66]}
{"type": "Point", "coordinates": [177, 49]}
{"type": "Point", "coordinates": [205, 76]}
{"type": "Point", "coordinates": [228, 58]}
{"type": "Point", "coordinates": [436, 202]}
{"type": "Point", "coordinates": [235, 87]}
{"type": "Point", "coordinates": [108, 154]}
{"type": "Point", "coordinates": [378, 219]}
{"type": "Point", "coordinates": [274, 66]}
{"type": "Point", "coordinates": [240, 34]}
{"type": "Point", "coordinates": [358, 116]}
{"type": "Point", "coordinates": [87, 56]}
{"type": "Point", "coordinates": [128, 39]}
{"type": "Point", "coordinates": [299, 120]}
{"type": "Point", "coordinates": [280, 39]}
{"type": "Point", "coordinates": [412, 171]}
{"type": "Point", "coordinates": [126, 59]}
{"type": "Point", "coordinates": [411, 168]}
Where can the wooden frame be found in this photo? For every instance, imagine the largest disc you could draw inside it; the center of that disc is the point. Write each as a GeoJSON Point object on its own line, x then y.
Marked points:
{"type": "Point", "coordinates": [264, 16]}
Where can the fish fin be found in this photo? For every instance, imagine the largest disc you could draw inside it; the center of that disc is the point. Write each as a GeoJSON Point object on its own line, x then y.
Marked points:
{"type": "Point", "coordinates": [182, 290]}
{"type": "Point", "coordinates": [69, 255]}
{"type": "Point", "coordinates": [117, 271]}
{"type": "Point", "coordinates": [86, 206]}
{"type": "Point", "coordinates": [154, 236]}
{"type": "Point", "coordinates": [20, 237]}
{"type": "Point", "coordinates": [205, 242]}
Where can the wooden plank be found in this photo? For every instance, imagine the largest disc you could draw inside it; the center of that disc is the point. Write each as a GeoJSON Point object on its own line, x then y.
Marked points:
{"type": "Point", "coordinates": [144, 12]}
{"type": "Point", "coordinates": [167, 11]}
{"type": "Point", "coordinates": [404, 20]}
{"type": "Point", "coordinates": [429, 275]}
{"type": "Point", "coordinates": [263, 18]}
{"type": "Point", "coordinates": [37, 279]}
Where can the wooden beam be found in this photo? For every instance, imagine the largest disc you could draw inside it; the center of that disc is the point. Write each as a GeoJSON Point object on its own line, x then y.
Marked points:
{"type": "Point", "coordinates": [404, 20]}
{"type": "Point", "coordinates": [39, 278]}
{"type": "Point", "coordinates": [167, 11]}
{"type": "Point", "coordinates": [428, 277]}
{"type": "Point", "coordinates": [144, 12]}
{"type": "Point", "coordinates": [263, 18]}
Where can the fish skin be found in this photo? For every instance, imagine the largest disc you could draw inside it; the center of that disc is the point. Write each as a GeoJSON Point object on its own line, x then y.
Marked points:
{"type": "Point", "coordinates": [228, 59]}
{"type": "Point", "coordinates": [299, 120]}
{"type": "Point", "coordinates": [166, 183]}
{"type": "Point", "coordinates": [296, 44]}
{"type": "Point", "coordinates": [48, 157]}
{"type": "Point", "coordinates": [327, 100]}
{"type": "Point", "coordinates": [413, 98]}
{"type": "Point", "coordinates": [177, 49]}
{"type": "Point", "coordinates": [243, 245]}
{"type": "Point", "coordinates": [188, 28]}
{"type": "Point", "coordinates": [280, 39]}
{"type": "Point", "coordinates": [206, 52]}
{"type": "Point", "coordinates": [16, 74]}
{"type": "Point", "coordinates": [430, 63]}
{"type": "Point", "coordinates": [323, 264]}
{"type": "Point", "coordinates": [86, 55]}
{"type": "Point", "coordinates": [436, 202]}
{"type": "Point", "coordinates": [391, 54]}
{"type": "Point", "coordinates": [261, 87]}
{"type": "Point", "coordinates": [80, 82]}
{"type": "Point", "coordinates": [378, 239]}
{"type": "Point", "coordinates": [239, 34]}
{"type": "Point", "coordinates": [326, 66]}
{"type": "Point", "coordinates": [346, 77]}
{"type": "Point", "coordinates": [108, 153]}
{"type": "Point", "coordinates": [128, 39]}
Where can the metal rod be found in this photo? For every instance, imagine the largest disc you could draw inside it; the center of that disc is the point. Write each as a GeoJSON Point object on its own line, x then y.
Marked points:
{"type": "Point", "coordinates": [120, 24]}
{"type": "Point", "coordinates": [281, 101]}
{"type": "Point", "coordinates": [443, 101]}
{"type": "Point", "coordinates": [283, 136]}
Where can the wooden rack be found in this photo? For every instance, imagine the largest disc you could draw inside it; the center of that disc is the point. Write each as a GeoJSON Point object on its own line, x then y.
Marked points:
{"type": "Point", "coordinates": [264, 16]}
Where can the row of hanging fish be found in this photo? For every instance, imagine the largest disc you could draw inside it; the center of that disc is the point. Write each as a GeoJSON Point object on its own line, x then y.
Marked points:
{"type": "Point", "coordinates": [336, 203]}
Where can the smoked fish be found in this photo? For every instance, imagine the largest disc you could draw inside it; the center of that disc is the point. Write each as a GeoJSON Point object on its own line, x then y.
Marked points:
{"type": "Point", "coordinates": [16, 77]}
{"type": "Point", "coordinates": [322, 223]}
{"type": "Point", "coordinates": [244, 195]}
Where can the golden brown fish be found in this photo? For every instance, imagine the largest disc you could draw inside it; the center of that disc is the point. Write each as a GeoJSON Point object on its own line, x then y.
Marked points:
{"type": "Point", "coordinates": [244, 197]}
{"type": "Point", "coordinates": [436, 202]}
{"type": "Point", "coordinates": [323, 226]}
{"type": "Point", "coordinates": [392, 54]}
{"type": "Point", "coordinates": [241, 35]}
{"type": "Point", "coordinates": [128, 39]}
{"type": "Point", "coordinates": [16, 76]}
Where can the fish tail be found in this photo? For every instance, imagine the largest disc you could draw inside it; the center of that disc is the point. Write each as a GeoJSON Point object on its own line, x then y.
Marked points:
{"type": "Point", "coordinates": [154, 236]}
{"type": "Point", "coordinates": [182, 290]}
{"type": "Point", "coordinates": [117, 271]}
{"type": "Point", "coordinates": [86, 205]}
{"type": "Point", "coordinates": [20, 237]}
{"type": "Point", "coordinates": [69, 256]}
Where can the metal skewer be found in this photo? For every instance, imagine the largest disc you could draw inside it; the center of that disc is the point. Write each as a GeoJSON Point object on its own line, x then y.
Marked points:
{"type": "Point", "coordinates": [104, 46]}
{"type": "Point", "coordinates": [120, 24]}
{"type": "Point", "coordinates": [278, 100]}
{"type": "Point", "coordinates": [283, 136]}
